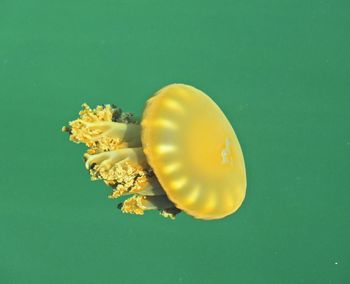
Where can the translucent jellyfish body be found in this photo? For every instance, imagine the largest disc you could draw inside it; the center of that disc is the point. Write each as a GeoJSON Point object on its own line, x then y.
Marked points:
{"type": "Point", "coordinates": [184, 156]}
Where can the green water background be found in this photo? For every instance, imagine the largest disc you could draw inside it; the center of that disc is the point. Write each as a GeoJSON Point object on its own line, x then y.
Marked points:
{"type": "Point", "coordinates": [279, 69]}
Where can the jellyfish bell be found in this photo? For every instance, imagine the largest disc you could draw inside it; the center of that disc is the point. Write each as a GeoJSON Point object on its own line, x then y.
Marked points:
{"type": "Point", "coordinates": [194, 152]}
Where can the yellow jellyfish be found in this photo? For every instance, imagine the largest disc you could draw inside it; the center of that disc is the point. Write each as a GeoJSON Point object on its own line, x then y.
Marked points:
{"type": "Point", "coordinates": [183, 156]}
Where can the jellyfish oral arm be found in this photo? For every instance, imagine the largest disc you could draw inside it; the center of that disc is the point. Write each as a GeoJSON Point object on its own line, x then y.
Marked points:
{"type": "Point", "coordinates": [115, 156]}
